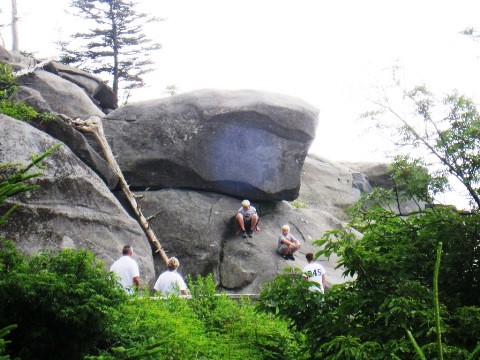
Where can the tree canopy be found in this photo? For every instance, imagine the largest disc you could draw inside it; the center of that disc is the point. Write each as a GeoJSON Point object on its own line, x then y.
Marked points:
{"type": "Point", "coordinates": [114, 45]}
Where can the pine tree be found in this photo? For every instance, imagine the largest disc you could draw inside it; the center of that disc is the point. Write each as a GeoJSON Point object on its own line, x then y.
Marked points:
{"type": "Point", "coordinates": [114, 44]}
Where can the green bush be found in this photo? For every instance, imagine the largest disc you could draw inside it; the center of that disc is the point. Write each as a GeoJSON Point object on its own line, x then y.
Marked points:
{"type": "Point", "coordinates": [207, 326]}
{"type": "Point", "coordinates": [393, 264]}
{"type": "Point", "coordinates": [62, 303]}
{"type": "Point", "coordinates": [8, 81]}
{"type": "Point", "coordinates": [17, 110]}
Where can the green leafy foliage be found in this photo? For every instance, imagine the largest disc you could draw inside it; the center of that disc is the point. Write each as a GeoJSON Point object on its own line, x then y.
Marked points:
{"type": "Point", "coordinates": [62, 303]}
{"type": "Point", "coordinates": [17, 110]}
{"type": "Point", "coordinates": [8, 81]}
{"type": "Point", "coordinates": [391, 294]}
{"type": "Point", "coordinates": [3, 343]}
{"type": "Point", "coordinates": [207, 326]}
{"type": "Point", "coordinates": [446, 131]}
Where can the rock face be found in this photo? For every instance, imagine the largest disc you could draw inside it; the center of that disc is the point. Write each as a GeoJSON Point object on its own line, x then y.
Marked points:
{"type": "Point", "coordinates": [199, 229]}
{"type": "Point", "coordinates": [72, 208]}
{"type": "Point", "coordinates": [246, 143]}
{"type": "Point", "coordinates": [94, 86]}
{"type": "Point", "coordinates": [76, 141]}
{"type": "Point", "coordinates": [62, 96]}
{"type": "Point", "coordinates": [327, 186]}
{"type": "Point", "coordinates": [199, 154]}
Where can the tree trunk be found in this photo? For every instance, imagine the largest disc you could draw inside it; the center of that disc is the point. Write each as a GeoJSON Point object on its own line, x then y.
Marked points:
{"type": "Point", "coordinates": [93, 125]}
{"type": "Point", "coordinates": [14, 27]}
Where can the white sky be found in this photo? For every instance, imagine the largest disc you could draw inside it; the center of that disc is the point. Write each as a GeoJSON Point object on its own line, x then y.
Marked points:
{"type": "Point", "coordinates": [328, 53]}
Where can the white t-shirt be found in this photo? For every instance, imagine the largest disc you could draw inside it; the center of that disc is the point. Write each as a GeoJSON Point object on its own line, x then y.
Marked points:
{"type": "Point", "coordinates": [126, 268]}
{"type": "Point", "coordinates": [170, 282]}
{"type": "Point", "coordinates": [247, 214]}
{"type": "Point", "coordinates": [314, 272]}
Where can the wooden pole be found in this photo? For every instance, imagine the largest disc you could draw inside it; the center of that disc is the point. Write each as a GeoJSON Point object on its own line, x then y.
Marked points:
{"type": "Point", "coordinates": [93, 125]}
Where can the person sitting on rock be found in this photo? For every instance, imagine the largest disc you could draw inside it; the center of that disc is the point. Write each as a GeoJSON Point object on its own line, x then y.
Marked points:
{"type": "Point", "coordinates": [287, 244]}
{"type": "Point", "coordinates": [247, 219]}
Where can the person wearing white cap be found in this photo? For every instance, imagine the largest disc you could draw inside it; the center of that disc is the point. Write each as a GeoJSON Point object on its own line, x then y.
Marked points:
{"type": "Point", "coordinates": [287, 244]}
{"type": "Point", "coordinates": [247, 219]}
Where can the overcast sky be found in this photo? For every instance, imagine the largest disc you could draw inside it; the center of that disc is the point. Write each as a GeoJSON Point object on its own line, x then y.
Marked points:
{"type": "Point", "coordinates": [328, 53]}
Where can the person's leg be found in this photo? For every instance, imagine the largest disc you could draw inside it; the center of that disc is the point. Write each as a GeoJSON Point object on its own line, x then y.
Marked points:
{"type": "Point", "coordinates": [249, 227]}
{"type": "Point", "coordinates": [293, 248]}
{"type": "Point", "coordinates": [254, 222]}
{"type": "Point", "coordinates": [248, 224]}
{"type": "Point", "coordinates": [283, 251]}
{"type": "Point", "coordinates": [240, 222]}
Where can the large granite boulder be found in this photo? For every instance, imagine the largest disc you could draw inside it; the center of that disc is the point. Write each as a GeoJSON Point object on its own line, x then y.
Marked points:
{"type": "Point", "coordinates": [93, 85]}
{"type": "Point", "coordinates": [376, 173]}
{"type": "Point", "coordinates": [245, 143]}
{"type": "Point", "coordinates": [199, 228]}
{"type": "Point", "coordinates": [63, 130]}
{"type": "Point", "coordinates": [71, 209]}
{"type": "Point", "coordinates": [327, 186]}
{"type": "Point", "coordinates": [62, 96]}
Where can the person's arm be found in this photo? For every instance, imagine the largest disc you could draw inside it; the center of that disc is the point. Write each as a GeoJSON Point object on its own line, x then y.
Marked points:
{"type": "Point", "coordinates": [184, 292]}
{"type": "Point", "coordinates": [136, 282]}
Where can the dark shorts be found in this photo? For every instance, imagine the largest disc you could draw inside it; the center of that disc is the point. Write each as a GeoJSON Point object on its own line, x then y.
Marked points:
{"type": "Point", "coordinates": [248, 224]}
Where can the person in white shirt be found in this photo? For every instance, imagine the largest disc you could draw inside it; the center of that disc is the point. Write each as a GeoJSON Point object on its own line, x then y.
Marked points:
{"type": "Point", "coordinates": [247, 219]}
{"type": "Point", "coordinates": [171, 281]}
{"type": "Point", "coordinates": [314, 272]}
{"type": "Point", "coordinates": [287, 244]}
{"type": "Point", "coordinates": [127, 270]}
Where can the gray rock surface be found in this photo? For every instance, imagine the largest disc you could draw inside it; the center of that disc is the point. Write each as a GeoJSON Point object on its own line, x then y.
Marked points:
{"type": "Point", "coordinates": [76, 141]}
{"type": "Point", "coordinates": [199, 229]}
{"type": "Point", "coordinates": [375, 172]}
{"type": "Point", "coordinates": [242, 143]}
{"type": "Point", "coordinates": [93, 85]}
{"type": "Point", "coordinates": [72, 207]}
{"type": "Point", "coordinates": [327, 186]}
{"type": "Point", "coordinates": [62, 96]}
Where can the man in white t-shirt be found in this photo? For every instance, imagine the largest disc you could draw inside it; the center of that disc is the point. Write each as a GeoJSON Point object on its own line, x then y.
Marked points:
{"type": "Point", "coordinates": [171, 281]}
{"type": "Point", "coordinates": [314, 272]}
{"type": "Point", "coordinates": [127, 270]}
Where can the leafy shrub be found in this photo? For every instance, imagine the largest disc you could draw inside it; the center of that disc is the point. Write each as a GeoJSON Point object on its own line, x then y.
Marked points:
{"type": "Point", "coordinates": [62, 303]}
{"type": "Point", "coordinates": [8, 81]}
{"type": "Point", "coordinates": [392, 293]}
{"type": "Point", "coordinates": [207, 326]}
{"type": "Point", "coordinates": [18, 110]}
{"type": "Point", "coordinates": [3, 343]}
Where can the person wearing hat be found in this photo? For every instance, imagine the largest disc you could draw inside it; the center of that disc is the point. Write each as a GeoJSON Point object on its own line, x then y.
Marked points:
{"type": "Point", "coordinates": [287, 244]}
{"type": "Point", "coordinates": [171, 281]}
{"type": "Point", "coordinates": [247, 219]}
